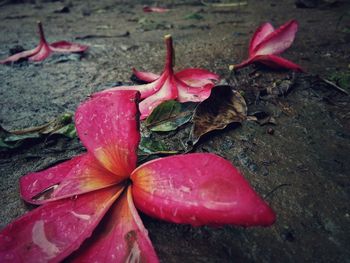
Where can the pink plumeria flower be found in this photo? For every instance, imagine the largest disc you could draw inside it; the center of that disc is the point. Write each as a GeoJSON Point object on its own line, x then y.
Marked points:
{"type": "Point", "coordinates": [267, 43]}
{"type": "Point", "coordinates": [192, 84]}
{"type": "Point", "coordinates": [104, 183]}
{"type": "Point", "coordinates": [44, 49]}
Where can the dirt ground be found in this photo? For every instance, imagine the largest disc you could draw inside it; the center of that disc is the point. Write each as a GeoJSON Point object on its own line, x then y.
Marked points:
{"type": "Point", "coordinates": [301, 167]}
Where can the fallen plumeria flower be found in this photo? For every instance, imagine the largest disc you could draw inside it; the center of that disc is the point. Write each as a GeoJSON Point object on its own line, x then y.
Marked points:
{"type": "Point", "coordinates": [267, 43]}
{"type": "Point", "coordinates": [192, 84]}
{"type": "Point", "coordinates": [197, 189]}
{"type": "Point", "coordinates": [149, 9]}
{"type": "Point", "coordinates": [44, 49]}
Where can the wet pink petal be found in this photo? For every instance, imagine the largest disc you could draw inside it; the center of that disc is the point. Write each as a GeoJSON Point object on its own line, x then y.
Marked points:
{"type": "Point", "coordinates": [167, 92]}
{"type": "Point", "coordinates": [121, 237]}
{"type": "Point", "coordinates": [191, 75]}
{"type": "Point", "coordinates": [85, 176]}
{"type": "Point", "coordinates": [145, 76]}
{"type": "Point", "coordinates": [279, 40]}
{"type": "Point", "coordinates": [33, 184]}
{"type": "Point", "coordinates": [145, 90]}
{"type": "Point", "coordinates": [198, 189]}
{"type": "Point", "coordinates": [107, 124]}
{"type": "Point", "coordinates": [67, 47]}
{"type": "Point", "coordinates": [193, 93]}
{"type": "Point", "coordinates": [149, 9]}
{"type": "Point", "coordinates": [278, 62]}
{"type": "Point", "coordinates": [260, 34]}
{"type": "Point", "coordinates": [54, 230]}
{"type": "Point", "coordinates": [44, 49]}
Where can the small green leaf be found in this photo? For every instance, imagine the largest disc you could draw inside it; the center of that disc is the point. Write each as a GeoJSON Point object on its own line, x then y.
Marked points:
{"type": "Point", "coordinates": [170, 115]}
{"type": "Point", "coordinates": [194, 16]}
{"type": "Point", "coordinates": [149, 146]}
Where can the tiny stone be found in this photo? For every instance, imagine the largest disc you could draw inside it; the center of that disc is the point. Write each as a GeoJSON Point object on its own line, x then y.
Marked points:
{"type": "Point", "coordinates": [270, 131]}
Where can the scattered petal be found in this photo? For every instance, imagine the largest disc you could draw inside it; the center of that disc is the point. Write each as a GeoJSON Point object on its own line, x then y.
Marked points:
{"type": "Point", "coordinates": [145, 76]}
{"type": "Point", "coordinates": [260, 34]}
{"type": "Point", "coordinates": [198, 189]}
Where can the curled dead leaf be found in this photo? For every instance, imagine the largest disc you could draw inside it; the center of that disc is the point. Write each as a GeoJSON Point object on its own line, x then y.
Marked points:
{"type": "Point", "coordinates": [223, 107]}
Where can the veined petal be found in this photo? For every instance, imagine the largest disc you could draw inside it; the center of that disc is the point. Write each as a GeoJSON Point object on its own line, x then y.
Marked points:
{"type": "Point", "coordinates": [121, 237]}
{"type": "Point", "coordinates": [53, 231]}
{"type": "Point", "coordinates": [196, 94]}
{"type": "Point", "coordinates": [18, 56]}
{"type": "Point", "coordinates": [65, 46]}
{"type": "Point", "coordinates": [196, 77]}
{"type": "Point", "coordinates": [85, 176]}
{"type": "Point", "coordinates": [33, 184]}
{"type": "Point", "coordinates": [278, 41]}
{"type": "Point", "coordinates": [260, 34]}
{"type": "Point", "coordinates": [145, 90]}
{"type": "Point", "coordinates": [43, 53]}
{"type": "Point", "coordinates": [278, 62]}
{"type": "Point", "coordinates": [107, 125]}
{"type": "Point", "coordinates": [198, 189]}
{"type": "Point", "coordinates": [145, 76]}
{"type": "Point", "coordinates": [167, 92]}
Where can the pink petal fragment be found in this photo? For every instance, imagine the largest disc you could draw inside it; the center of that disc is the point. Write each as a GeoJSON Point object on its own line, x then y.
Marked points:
{"type": "Point", "coordinates": [107, 124]}
{"type": "Point", "coordinates": [149, 9]}
{"type": "Point", "coordinates": [167, 92]}
{"type": "Point", "coordinates": [121, 237]}
{"type": "Point", "coordinates": [279, 40]}
{"type": "Point", "coordinates": [145, 76]}
{"type": "Point", "coordinates": [33, 184]}
{"type": "Point", "coordinates": [54, 230]}
{"type": "Point", "coordinates": [260, 34]}
{"type": "Point", "coordinates": [65, 46]}
{"type": "Point", "coordinates": [196, 94]}
{"type": "Point", "coordinates": [198, 189]}
{"type": "Point", "coordinates": [278, 62]}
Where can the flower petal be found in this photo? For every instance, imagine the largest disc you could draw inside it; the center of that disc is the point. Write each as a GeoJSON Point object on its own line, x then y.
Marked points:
{"type": "Point", "coordinates": [279, 40]}
{"type": "Point", "coordinates": [145, 90]}
{"type": "Point", "coordinates": [167, 92]}
{"type": "Point", "coordinates": [145, 76]}
{"type": "Point", "coordinates": [43, 53]}
{"type": "Point", "coordinates": [54, 230]}
{"type": "Point", "coordinates": [278, 62]}
{"type": "Point", "coordinates": [196, 77]}
{"type": "Point", "coordinates": [65, 46]}
{"type": "Point", "coordinates": [31, 185]}
{"type": "Point", "coordinates": [198, 189]}
{"type": "Point", "coordinates": [196, 94]}
{"type": "Point", "coordinates": [121, 237]}
{"type": "Point", "coordinates": [107, 124]}
{"type": "Point", "coordinates": [260, 34]}
{"type": "Point", "coordinates": [85, 176]}
{"type": "Point", "coordinates": [21, 55]}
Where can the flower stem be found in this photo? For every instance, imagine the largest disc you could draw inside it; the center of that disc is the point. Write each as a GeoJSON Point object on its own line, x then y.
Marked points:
{"type": "Point", "coordinates": [170, 54]}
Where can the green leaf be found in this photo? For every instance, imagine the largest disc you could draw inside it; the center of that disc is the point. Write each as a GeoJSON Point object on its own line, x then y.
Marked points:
{"type": "Point", "coordinates": [170, 115]}
{"type": "Point", "coordinates": [149, 146]}
{"type": "Point", "coordinates": [194, 16]}
{"type": "Point", "coordinates": [63, 125]}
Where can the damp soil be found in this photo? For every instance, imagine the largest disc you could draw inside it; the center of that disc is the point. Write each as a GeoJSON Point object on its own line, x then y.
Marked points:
{"type": "Point", "coordinates": [298, 160]}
